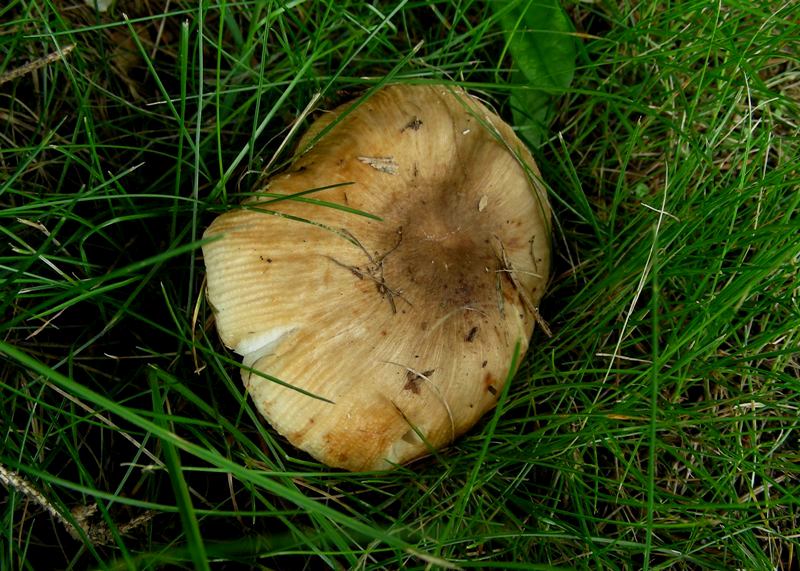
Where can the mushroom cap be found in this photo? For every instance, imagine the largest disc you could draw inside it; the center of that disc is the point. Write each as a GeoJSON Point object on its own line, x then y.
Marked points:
{"type": "Point", "coordinates": [390, 336]}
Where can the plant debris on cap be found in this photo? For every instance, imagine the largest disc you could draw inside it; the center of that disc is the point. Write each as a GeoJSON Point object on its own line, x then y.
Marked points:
{"type": "Point", "coordinates": [390, 334]}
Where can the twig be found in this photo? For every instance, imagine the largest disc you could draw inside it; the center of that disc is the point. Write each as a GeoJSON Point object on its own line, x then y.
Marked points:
{"type": "Point", "coordinates": [98, 533]}
{"type": "Point", "coordinates": [374, 270]}
{"type": "Point", "coordinates": [17, 482]}
{"type": "Point", "coordinates": [36, 64]}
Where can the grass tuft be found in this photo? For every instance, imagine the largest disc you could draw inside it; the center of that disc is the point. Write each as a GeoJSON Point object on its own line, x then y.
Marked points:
{"type": "Point", "coordinates": [657, 428]}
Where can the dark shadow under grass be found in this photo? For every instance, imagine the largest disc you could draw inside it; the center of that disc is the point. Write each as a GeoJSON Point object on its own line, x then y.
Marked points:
{"type": "Point", "coordinates": [657, 428]}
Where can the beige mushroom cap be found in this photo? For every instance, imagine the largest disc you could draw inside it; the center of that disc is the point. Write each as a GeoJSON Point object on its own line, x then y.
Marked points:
{"type": "Point", "coordinates": [405, 325]}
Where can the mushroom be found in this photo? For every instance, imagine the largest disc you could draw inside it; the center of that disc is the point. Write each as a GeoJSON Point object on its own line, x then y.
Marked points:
{"type": "Point", "coordinates": [377, 289]}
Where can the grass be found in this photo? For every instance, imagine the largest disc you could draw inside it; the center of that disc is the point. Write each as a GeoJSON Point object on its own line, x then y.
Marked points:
{"type": "Point", "coordinates": [658, 427]}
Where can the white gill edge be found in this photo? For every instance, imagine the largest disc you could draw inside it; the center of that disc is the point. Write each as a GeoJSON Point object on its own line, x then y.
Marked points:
{"type": "Point", "coordinates": [257, 345]}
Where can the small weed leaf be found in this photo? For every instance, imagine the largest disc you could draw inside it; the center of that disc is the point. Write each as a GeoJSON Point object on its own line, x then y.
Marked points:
{"type": "Point", "coordinates": [543, 49]}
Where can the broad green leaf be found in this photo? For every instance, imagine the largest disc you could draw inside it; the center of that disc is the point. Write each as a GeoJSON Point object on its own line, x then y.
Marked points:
{"type": "Point", "coordinates": [539, 36]}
